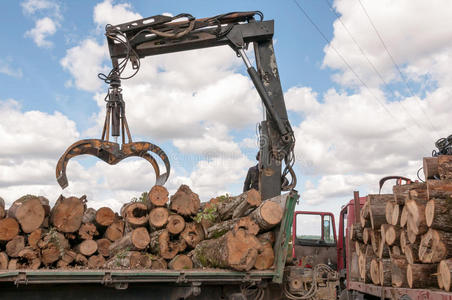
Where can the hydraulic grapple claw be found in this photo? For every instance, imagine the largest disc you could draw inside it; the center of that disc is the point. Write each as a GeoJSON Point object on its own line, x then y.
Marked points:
{"type": "Point", "coordinates": [111, 153]}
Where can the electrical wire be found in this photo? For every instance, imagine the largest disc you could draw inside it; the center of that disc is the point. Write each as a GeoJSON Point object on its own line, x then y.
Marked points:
{"type": "Point", "coordinates": [396, 65]}
{"type": "Point", "coordinates": [353, 71]}
{"type": "Point", "coordinates": [371, 64]}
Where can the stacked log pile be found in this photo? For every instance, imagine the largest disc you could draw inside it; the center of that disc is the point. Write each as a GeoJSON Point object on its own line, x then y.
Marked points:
{"type": "Point", "coordinates": [406, 237]}
{"type": "Point", "coordinates": [155, 232]}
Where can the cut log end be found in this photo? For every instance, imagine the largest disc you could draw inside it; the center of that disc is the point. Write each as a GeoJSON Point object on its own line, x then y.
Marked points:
{"type": "Point", "coordinates": [9, 228]}
{"type": "Point", "coordinates": [105, 216]}
{"type": "Point", "coordinates": [158, 195]}
{"type": "Point", "coordinates": [158, 217]}
{"type": "Point", "coordinates": [181, 262]}
{"type": "Point", "coordinates": [176, 224]}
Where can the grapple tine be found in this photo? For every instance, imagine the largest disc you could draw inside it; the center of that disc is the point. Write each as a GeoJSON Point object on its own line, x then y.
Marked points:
{"type": "Point", "coordinates": [111, 153]}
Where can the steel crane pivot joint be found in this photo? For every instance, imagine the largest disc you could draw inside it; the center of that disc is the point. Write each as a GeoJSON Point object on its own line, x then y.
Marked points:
{"type": "Point", "coordinates": [129, 42]}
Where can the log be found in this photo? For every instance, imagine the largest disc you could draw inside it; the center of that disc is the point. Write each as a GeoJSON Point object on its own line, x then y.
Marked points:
{"type": "Point", "coordinates": [268, 236]}
{"type": "Point", "coordinates": [403, 216]}
{"type": "Point", "coordinates": [393, 235]}
{"type": "Point", "coordinates": [135, 214]}
{"type": "Point", "coordinates": [222, 228]}
{"type": "Point", "coordinates": [364, 215]}
{"type": "Point", "coordinates": [86, 248]}
{"type": "Point", "coordinates": [96, 262]}
{"type": "Point", "coordinates": [403, 240]}
{"type": "Point", "coordinates": [9, 228]}
{"type": "Point", "coordinates": [430, 167]}
{"type": "Point", "coordinates": [265, 258]}
{"type": "Point", "coordinates": [103, 247]}
{"type": "Point", "coordinates": [435, 246]}
{"type": "Point", "coordinates": [360, 248]}
{"type": "Point", "coordinates": [366, 235]}
{"type": "Point", "coordinates": [124, 259]}
{"type": "Point", "coordinates": [384, 267]}
{"type": "Point", "coordinates": [67, 258]}
{"type": "Point", "coordinates": [53, 245]}
{"type": "Point", "coordinates": [395, 215]}
{"type": "Point", "coordinates": [87, 231]}
{"type": "Point", "coordinates": [236, 250]}
{"type": "Point", "coordinates": [435, 187]}
{"type": "Point", "coordinates": [4, 260]}
{"type": "Point", "coordinates": [158, 195]}
{"type": "Point", "coordinates": [421, 275]}
{"type": "Point", "coordinates": [374, 271]}
{"type": "Point", "coordinates": [176, 224]}
{"type": "Point", "coordinates": [383, 229]}
{"type": "Point", "coordinates": [28, 211]}
{"type": "Point", "coordinates": [14, 246]}
{"type": "Point", "coordinates": [412, 237]}
{"type": "Point", "coordinates": [438, 213]}
{"type": "Point", "coordinates": [401, 192]}
{"type": "Point", "coordinates": [185, 202]}
{"type": "Point", "coordinates": [383, 249]}
{"type": "Point", "coordinates": [398, 272]}
{"type": "Point", "coordinates": [412, 253]}
{"type": "Point", "coordinates": [2, 208]}
{"type": "Point", "coordinates": [115, 231]}
{"type": "Point", "coordinates": [395, 252]}
{"type": "Point", "coordinates": [104, 217]}
{"type": "Point", "coordinates": [388, 211]}
{"type": "Point", "coordinates": [160, 244]}
{"type": "Point", "coordinates": [158, 217]}
{"type": "Point", "coordinates": [364, 263]}
{"type": "Point", "coordinates": [445, 269]}
{"type": "Point", "coordinates": [81, 260]}
{"type": "Point", "coordinates": [354, 268]}
{"type": "Point", "coordinates": [34, 237]}
{"type": "Point", "coordinates": [180, 262]}
{"type": "Point", "coordinates": [377, 209]}
{"type": "Point", "coordinates": [267, 215]}
{"type": "Point", "coordinates": [67, 213]}
{"type": "Point", "coordinates": [375, 238]}
{"type": "Point", "coordinates": [137, 239]}
{"type": "Point", "coordinates": [250, 199]}
{"type": "Point", "coordinates": [192, 234]}
{"type": "Point", "coordinates": [29, 258]}
{"type": "Point", "coordinates": [89, 216]}
{"type": "Point", "coordinates": [158, 263]}
{"type": "Point", "coordinates": [416, 217]}
{"type": "Point", "coordinates": [439, 277]}
{"type": "Point", "coordinates": [356, 233]}
{"type": "Point", "coordinates": [445, 166]}
{"type": "Point", "coordinates": [13, 264]}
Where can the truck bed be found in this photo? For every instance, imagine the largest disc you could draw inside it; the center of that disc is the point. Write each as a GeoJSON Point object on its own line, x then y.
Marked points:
{"type": "Point", "coordinates": [397, 293]}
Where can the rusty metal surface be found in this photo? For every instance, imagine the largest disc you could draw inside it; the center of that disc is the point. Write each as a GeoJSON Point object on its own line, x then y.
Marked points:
{"type": "Point", "coordinates": [112, 153]}
{"type": "Point", "coordinates": [397, 293]}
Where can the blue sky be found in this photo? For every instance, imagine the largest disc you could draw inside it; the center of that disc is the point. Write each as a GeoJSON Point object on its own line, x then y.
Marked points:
{"type": "Point", "coordinates": [348, 134]}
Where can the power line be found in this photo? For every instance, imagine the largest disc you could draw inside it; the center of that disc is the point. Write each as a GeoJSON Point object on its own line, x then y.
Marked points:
{"type": "Point", "coordinates": [351, 69]}
{"type": "Point", "coordinates": [371, 64]}
{"type": "Point", "coordinates": [395, 64]}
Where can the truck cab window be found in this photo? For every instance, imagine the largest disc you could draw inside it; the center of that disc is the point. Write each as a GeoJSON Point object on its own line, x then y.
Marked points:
{"type": "Point", "coordinates": [309, 227]}
{"type": "Point", "coordinates": [328, 235]}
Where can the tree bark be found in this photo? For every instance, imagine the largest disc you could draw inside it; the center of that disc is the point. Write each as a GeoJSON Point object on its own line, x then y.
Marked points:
{"type": "Point", "coordinates": [384, 267]}
{"type": "Point", "coordinates": [438, 214]}
{"type": "Point", "coordinates": [420, 275]}
{"type": "Point", "coordinates": [2, 208]}
{"type": "Point", "coordinates": [28, 211]}
{"type": "Point", "coordinates": [412, 253]}
{"type": "Point", "coordinates": [267, 215]}
{"type": "Point", "coordinates": [137, 239]}
{"type": "Point", "coordinates": [395, 253]}
{"type": "Point", "coordinates": [135, 214]}
{"type": "Point", "coordinates": [377, 209]}
{"type": "Point", "coordinates": [250, 199]}
{"type": "Point", "coordinates": [430, 167]}
{"type": "Point", "coordinates": [67, 213]}
{"type": "Point", "coordinates": [435, 187]}
{"type": "Point", "coordinates": [89, 216]}
{"type": "Point", "coordinates": [398, 272]}
{"type": "Point", "coordinates": [115, 231]}
{"type": "Point", "coordinates": [445, 166]}
{"type": "Point", "coordinates": [222, 228]}
{"type": "Point", "coordinates": [364, 215]}
{"type": "Point", "coordinates": [401, 192]}
{"type": "Point", "coordinates": [383, 249]}
{"type": "Point", "coordinates": [268, 236]}
{"type": "Point", "coordinates": [237, 250]}
{"type": "Point", "coordinates": [445, 270]}
{"type": "Point", "coordinates": [158, 195]}
{"type": "Point", "coordinates": [181, 262]}
{"type": "Point", "coordinates": [158, 217]}
{"type": "Point", "coordinates": [176, 224]}
{"type": "Point", "coordinates": [356, 233]}
{"type": "Point", "coordinates": [185, 202]}
{"type": "Point", "coordinates": [375, 238]}
{"type": "Point", "coordinates": [192, 234]}
{"type": "Point", "coordinates": [14, 246]}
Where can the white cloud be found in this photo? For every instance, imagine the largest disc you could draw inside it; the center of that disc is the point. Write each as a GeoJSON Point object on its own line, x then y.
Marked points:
{"type": "Point", "coordinates": [32, 7]}
{"type": "Point", "coordinates": [7, 69]}
{"type": "Point", "coordinates": [44, 28]}
{"type": "Point", "coordinates": [84, 62]}
{"type": "Point", "coordinates": [108, 13]}
{"type": "Point", "coordinates": [301, 99]}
